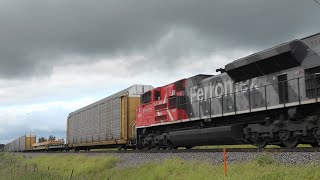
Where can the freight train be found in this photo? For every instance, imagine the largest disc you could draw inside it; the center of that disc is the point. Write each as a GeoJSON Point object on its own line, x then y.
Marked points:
{"type": "Point", "coordinates": [270, 97]}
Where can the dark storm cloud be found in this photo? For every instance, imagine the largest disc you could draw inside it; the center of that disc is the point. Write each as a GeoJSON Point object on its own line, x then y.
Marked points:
{"type": "Point", "coordinates": [35, 35]}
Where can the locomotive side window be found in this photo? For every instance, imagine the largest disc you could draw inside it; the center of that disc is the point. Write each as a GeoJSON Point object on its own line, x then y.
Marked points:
{"type": "Point", "coordinates": [312, 81]}
{"type": "Point", "coordinates": [156, 95]}
{"type": "Point", "coordinates": [146, 97]}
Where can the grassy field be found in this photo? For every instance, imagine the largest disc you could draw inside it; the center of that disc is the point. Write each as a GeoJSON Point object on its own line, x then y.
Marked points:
{"type": "Point", "coordinates": [104, 167]}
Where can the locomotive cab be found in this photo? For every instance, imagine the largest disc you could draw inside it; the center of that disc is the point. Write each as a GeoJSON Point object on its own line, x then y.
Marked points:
{"type": "Point", "coordinates": [162, 105]}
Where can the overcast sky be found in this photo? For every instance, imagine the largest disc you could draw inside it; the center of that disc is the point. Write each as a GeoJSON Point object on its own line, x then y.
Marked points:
{"type": "Point", "coordinates": [59, 55]}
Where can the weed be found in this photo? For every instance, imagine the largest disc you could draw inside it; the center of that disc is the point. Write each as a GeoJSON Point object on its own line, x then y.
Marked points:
{"type": "Point", "coordinates": [265, 159]}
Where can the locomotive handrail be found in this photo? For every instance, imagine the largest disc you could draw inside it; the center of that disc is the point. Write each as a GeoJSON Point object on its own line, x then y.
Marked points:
{"type": "Point", "coordinates": [316, 87]}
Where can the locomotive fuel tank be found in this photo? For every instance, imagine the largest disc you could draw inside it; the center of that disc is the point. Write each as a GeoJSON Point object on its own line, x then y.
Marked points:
{"type": "Point", "coordinates": [223, 135]}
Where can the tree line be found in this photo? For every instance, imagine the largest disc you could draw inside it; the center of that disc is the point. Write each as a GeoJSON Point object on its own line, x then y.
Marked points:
{"type": "Point", "coordinates": [50, 138]}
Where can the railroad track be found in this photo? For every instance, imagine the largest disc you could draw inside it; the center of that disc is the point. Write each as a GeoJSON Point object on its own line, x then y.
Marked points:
{"type": "Point", "coordinates": [301, 149]}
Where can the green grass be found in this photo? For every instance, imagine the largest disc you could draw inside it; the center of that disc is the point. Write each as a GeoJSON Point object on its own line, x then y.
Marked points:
{"type": "Point", "coordinates": [54, 166]}
{"type": "Point", "coordinates": [179, 169]}
{"type": "Point", "coordinates": [103, 167]}
{"type": "Point", "coordinates": [81, 164]}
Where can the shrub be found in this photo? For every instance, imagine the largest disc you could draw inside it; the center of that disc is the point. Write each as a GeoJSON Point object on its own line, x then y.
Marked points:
{"type": "Point", "coordinates": [265, 159]}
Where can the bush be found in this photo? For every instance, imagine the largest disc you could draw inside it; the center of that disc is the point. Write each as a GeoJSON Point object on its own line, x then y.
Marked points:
{"type": "Point", "coordinates": [265, 159]}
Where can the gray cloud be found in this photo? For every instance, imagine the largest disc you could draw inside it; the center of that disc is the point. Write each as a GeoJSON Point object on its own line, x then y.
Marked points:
{"type": "Point", "coordinates": [33, 121]}
{"type": "Point", "coordinates": [36, 35]}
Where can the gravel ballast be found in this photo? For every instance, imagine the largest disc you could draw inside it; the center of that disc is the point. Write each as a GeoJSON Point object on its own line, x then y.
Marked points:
{"type": "Point", "coordinates": [215, 158]}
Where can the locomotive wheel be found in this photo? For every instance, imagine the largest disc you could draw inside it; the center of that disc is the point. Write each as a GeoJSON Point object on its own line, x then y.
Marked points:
{"type": "Point", "coordinates": [316, 133]}
{"type": "Point", "coordinates": [314, 144]}
{"type": "Point", "coordinates": [281, 145]}
{"type": "Point", "coordinates": [157, 146]}
{"type": "Point", "coordinates": [169, 145]}
{"type": "Point", "coordinates": [260, 143]}
{"type": "Point", "coordinates": [291, 142]}
{"type": "Point", "coordinates": [147, 147]}
{"type": "Point", "coordinates": [288, 140]}
{"type": "Point", "coordinates": [139, 147]}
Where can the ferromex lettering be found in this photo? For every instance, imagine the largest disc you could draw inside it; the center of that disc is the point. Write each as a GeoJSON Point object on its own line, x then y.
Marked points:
{"type": "Point", "coordinates": [213, 89]}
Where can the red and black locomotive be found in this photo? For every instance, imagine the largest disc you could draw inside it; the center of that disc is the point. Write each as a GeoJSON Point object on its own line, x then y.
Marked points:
{"type": "Point", "coordinates": [271, 97]}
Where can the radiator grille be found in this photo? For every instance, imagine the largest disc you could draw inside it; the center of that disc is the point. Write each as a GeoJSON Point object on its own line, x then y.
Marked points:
{"type": "Point", "coordinates": [312, 82]}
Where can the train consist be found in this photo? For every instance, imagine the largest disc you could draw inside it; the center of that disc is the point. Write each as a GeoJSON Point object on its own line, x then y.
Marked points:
{"type": "Point", "coordinates": [28, 143]}
{"type": "Point", "coordinates": [270, 97]}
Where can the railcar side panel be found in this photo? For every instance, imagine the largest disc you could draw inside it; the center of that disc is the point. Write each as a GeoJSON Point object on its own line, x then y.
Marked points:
{"type": "Point", "coordinates": [21, 144]}
{"type": "Point", "coordinates": [106, 122]}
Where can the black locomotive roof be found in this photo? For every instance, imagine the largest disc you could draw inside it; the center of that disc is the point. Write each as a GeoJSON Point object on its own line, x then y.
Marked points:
{"type": "Point", "coordinates": [272, 60]}
{"type": "Point", "coordinates": [311, 36]}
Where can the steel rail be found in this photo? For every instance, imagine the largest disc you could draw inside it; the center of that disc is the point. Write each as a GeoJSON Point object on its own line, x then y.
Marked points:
{"type": "Point", "coordinates": [214, 150]}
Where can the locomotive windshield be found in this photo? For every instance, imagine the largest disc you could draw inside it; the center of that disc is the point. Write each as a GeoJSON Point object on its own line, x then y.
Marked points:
{"type": "Point", "coordinates": [146, 97]}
